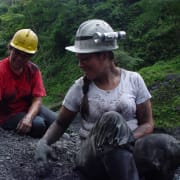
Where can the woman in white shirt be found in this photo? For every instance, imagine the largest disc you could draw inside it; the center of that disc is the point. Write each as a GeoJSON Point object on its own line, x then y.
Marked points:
{"type": "Point", "coordinates": [114, 105]}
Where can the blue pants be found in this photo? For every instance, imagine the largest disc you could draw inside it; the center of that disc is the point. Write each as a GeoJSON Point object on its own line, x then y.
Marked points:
{"type": "Point", "coordinates": [40, 123]}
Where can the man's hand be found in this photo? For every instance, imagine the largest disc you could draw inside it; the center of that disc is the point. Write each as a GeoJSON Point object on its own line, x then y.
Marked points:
{"type": "Point", "coordinates": [43, 150]}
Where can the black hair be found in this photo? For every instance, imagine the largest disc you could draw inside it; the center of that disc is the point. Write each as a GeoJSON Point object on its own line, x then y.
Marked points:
{"type": "Point", "coordinates": [110, 54]}
{"type": "Point", "coordinates": [11, 48]}
{"type": "Point", "coordinates": [84, 107]}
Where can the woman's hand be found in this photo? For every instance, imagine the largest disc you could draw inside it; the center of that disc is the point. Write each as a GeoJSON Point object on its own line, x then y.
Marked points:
{"type": "Point", "coordinates": [24, 126]}
{"type": "Point", "coordinates": [43, 150]}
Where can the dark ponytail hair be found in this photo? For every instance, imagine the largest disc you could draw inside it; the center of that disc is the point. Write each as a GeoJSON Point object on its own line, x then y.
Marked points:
{"type": "Point", "coordinates": [84, 107]}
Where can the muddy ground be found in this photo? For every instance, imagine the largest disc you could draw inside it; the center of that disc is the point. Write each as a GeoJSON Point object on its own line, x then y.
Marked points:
{"type": "Point", "coordinates": [17, 157]}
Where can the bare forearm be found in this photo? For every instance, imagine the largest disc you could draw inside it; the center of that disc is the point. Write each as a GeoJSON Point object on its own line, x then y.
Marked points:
{"type": "Point", "coordinates": [143, 130]}
{"type": "Point", "coordinates": [145, 120]}
{"type": "Point", "coordinates": [53, 133]}
{"type": "Point", "coordinates": [59, 126]}
{"type": "Point", "coordinates": [34, 108]}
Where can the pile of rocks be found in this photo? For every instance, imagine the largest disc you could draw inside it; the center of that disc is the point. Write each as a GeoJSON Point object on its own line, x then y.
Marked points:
{"type": "Point", "coordinates": [17, 157]}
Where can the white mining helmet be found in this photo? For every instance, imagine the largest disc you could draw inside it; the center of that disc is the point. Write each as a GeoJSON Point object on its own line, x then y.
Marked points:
{"type": "Point", "coordinates": [95, 36]}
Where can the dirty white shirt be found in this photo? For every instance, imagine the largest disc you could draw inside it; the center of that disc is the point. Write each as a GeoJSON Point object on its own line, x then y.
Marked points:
{"type": "Point", "coordinates": [130, 91]}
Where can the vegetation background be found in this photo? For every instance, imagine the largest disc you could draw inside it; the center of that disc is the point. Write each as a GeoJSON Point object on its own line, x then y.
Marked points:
{"type": "Point", "coordinates": [151, 47]}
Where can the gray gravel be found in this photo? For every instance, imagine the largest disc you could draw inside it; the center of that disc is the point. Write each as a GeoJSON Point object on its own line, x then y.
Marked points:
{"type": "Point", "coordinates": [17, 157]}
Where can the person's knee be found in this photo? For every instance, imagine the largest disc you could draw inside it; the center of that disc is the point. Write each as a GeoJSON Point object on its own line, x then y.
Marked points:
{"type": "Point", "coordinates": [113, 115]}
{"type": "Point", "coordinates": [111, 119]}
{"type": "Point", "coordinates": [48, 115]}
{"type": "Point", "coordinates": [112, 129]}
{"type": "Point", "coordinates": [38, 127]}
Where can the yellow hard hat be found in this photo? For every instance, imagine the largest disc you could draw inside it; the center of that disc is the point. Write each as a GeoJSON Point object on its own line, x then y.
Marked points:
{"type": "Point", "coordinates": [25, 40]}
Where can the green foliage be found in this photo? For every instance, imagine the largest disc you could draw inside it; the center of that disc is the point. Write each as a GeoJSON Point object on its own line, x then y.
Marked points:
{"type": "Point", "coordinates": [9, 23]}
{"type": "Point", "coordinates": [154, 32]}
{"type": "Point", "coordinates": [117, 17]}
{"type": "Point", "coordinates": [152, 28]}
{"type": "Point", "coordinates": [65, 27]}
{"type": "Point", "coordinates": [123, 59]}
{"type": "Point", "coordinates": [3, 9]}
{"type": "Point", "coordinates": [163, 79]}
{"type": "Point", "coordinates": [158, 71]}
{"type": "Point", "coordinates": [166, 103]}
{"type": "Point", "coordinates": [60, 77]}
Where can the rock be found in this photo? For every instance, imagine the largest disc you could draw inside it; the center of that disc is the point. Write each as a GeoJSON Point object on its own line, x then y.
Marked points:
{"type": "Point", "coordinates": [17, 157]}
{"type": "Point", "coordinates": [157, 156]}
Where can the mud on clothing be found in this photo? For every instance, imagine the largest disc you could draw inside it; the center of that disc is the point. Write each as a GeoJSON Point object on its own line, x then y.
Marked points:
{"type": "Point", "coordinates": [16, 92]}
{"type": "Point", "coordinates": [123, 99]}
{"type": "Point", "coordinates": [107, 152]}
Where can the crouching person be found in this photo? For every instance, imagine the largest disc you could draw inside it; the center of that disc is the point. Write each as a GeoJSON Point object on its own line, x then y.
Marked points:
{"type": "Point", "coordinates": [22, 89]}
{"type": "Point", "coordinates": [114, 104]}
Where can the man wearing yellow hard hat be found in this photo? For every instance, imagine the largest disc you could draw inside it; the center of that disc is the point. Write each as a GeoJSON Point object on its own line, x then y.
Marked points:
{"type": "Point", "coordinates": [22, 88]}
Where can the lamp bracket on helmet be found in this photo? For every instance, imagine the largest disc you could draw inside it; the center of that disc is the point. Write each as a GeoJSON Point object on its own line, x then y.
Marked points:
{"type": "Point", "coordinates": [108, 36]}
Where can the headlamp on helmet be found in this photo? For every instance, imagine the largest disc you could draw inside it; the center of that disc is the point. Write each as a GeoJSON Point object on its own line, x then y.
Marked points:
{"type": "Point", "coordinates": [95, 35]}
{"type": "Point", "coordinates": [109, 36]}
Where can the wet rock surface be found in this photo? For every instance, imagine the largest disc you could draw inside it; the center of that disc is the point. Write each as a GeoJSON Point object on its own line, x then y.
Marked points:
{"type": "Point", "coordinates": [17, 157]}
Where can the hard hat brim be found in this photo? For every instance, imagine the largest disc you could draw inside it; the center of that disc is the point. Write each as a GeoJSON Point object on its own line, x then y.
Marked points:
{"type": "Point", "coordinates": [23, 49]}
{"type": "Point", "coordinates": [76, 50]}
